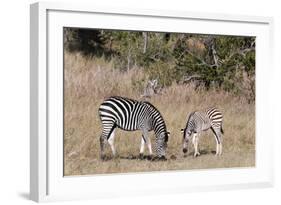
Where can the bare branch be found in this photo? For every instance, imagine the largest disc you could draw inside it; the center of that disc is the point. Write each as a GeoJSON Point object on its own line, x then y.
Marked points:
{"type": "Point", "coordinates": [246, 50]}
{"type": "Point", "coordinates": [150, 89]}
{"type": "Point", "coordinates": [242, 52]}
{"type": "Point", "coordinates": [186, 79]}
{"type": "Point", "coordinates": [145, 39]}
{"type": "Point", "coordinates": [198, 58]}
{"type": "Point", "coordinates": [215, 56]}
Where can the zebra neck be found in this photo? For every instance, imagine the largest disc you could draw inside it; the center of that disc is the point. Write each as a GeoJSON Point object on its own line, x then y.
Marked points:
{"type": "Point", "coordinates": [159, 126]}
{"type": "Point", "coordinates": [157, 121]}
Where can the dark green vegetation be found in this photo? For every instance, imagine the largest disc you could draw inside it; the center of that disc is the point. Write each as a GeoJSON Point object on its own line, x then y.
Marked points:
{"type": "Point", "coordinates": [209, 61]}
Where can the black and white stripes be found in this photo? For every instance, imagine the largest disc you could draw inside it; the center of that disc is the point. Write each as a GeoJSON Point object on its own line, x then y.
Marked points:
{"type": "Point", "coordinates": [131, 115]}
{"type": "Point", "coordinates": [199, 121]}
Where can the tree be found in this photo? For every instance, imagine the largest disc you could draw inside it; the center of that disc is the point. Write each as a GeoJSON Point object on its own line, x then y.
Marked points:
{"type": "Point", "coordinates": [212, 61]}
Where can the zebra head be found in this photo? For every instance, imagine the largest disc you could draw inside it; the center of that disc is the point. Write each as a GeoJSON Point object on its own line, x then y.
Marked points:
{"type": "Point", "coordinates": [162, 143]}
{"type": "Point", "coordinates": [187, 133]}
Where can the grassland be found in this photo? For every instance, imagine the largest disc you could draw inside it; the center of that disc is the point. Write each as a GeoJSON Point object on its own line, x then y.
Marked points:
{"type": "Point", "coordinates": [88, 81]}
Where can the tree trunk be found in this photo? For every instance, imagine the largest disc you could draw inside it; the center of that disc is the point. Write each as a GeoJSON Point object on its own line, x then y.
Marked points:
{"type": "Point", "coordinates": [145, 39]}
{"type": "Point", "coordinates": [128, 60]}
{"type": "Point", "coordinates": [215, 56]}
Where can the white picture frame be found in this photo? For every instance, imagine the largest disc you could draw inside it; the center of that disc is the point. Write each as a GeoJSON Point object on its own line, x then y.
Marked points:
{"type": "Point", "coordinates": [47, 182]}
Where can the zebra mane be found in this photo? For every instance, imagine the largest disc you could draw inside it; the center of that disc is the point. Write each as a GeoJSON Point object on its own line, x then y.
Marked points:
{"type": "Point", "coordinates": [190, 115]}
{"type": "Point", "coordinates": [152, 106]}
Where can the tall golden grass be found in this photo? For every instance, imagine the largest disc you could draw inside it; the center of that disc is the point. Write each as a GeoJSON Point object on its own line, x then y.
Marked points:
{"type": "Point", "coordinates": [88, 81]}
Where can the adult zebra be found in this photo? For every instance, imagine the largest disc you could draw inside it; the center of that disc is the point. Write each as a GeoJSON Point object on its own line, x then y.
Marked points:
{"type": "Point", "coordinates": [199, 121]}
{"type": "Point", "coordinates": [131, 115]}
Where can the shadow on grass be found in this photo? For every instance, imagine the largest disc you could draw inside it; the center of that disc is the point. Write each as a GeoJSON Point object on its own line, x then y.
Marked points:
{"type": "Point", "coordinates": [202, 152]}
{"type": "Point", "coordinates": [139, 157]}
{"type": "Point", "coordinates": [153, 158]}
{"type": "Point", "coordinates": [129, 157]}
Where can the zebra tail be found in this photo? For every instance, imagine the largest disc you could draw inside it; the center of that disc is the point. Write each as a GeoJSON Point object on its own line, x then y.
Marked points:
{"type": "Point", "coordinates": [222, 130]}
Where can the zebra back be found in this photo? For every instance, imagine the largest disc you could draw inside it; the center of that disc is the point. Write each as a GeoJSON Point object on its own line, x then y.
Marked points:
{"type": "Point", "coordinates": [214, 115]}
{"type": "Point", "coordinates": [203, 120]}
{"type": "Point", "coordinates": [129, 114]}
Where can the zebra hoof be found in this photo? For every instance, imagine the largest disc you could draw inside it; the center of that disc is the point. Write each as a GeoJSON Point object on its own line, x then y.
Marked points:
{"type": "Point", "coordinates": [196, 154]}
{"type": "Point", "coordinates": [149, 157]}
{"type": "Point", "coordinates": [162, 158]}
{"type": "Point", "coordinates": [103, 158]}
{"type": "Point", "coordinates": [141, 157]}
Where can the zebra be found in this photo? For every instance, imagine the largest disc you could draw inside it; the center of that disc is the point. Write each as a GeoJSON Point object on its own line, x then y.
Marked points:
{"type": "Point", "coordinates": [131, 115]}
{"type": "Point", "coordinates": [199, 121]}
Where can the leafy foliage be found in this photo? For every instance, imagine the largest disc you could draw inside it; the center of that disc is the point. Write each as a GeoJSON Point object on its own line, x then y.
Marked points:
{"type": "Point", "coordinates": [211, 61]}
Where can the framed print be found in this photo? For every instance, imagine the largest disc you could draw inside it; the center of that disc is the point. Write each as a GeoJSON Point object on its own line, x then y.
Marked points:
{"type": "Point", "coordinates": [129, 96]}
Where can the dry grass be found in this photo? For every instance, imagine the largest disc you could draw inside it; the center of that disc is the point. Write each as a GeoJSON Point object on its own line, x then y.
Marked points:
{"type": "Point", "coordinates": [88, 81]}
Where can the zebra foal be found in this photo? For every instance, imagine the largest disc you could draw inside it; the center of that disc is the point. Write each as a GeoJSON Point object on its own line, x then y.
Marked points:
{"type": "Point", "coordinates": [199, 121]}
{"type": "Point", "coordinates": [131, 115]}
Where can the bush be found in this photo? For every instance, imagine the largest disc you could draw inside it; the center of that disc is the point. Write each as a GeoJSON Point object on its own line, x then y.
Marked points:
{"type": "Point", "coordinates": [221, 62]}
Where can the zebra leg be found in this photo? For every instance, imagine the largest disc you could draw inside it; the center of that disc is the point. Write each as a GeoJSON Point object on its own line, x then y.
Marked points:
{"type": "Point", "coordinates": [219, 141]}
{"type": "Point", "coordinates": [103, 140]}
{"type": "Point", "coordinates": [220, 151]}
{"type": "Point", "coordinates": [218, 144]}
{"type": "Point", "coordinates": [111, 143]}
{"type": "Point", "coordinates": [195, 142]}
{"type": "Point", "coordinates": [149, 145]}
{"type": "Point", "coordinates": [106, 133]}
{"type": "Point", "coordinates": [146, 140]}
{"type": "Point", "coordinates": [142, 148]}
